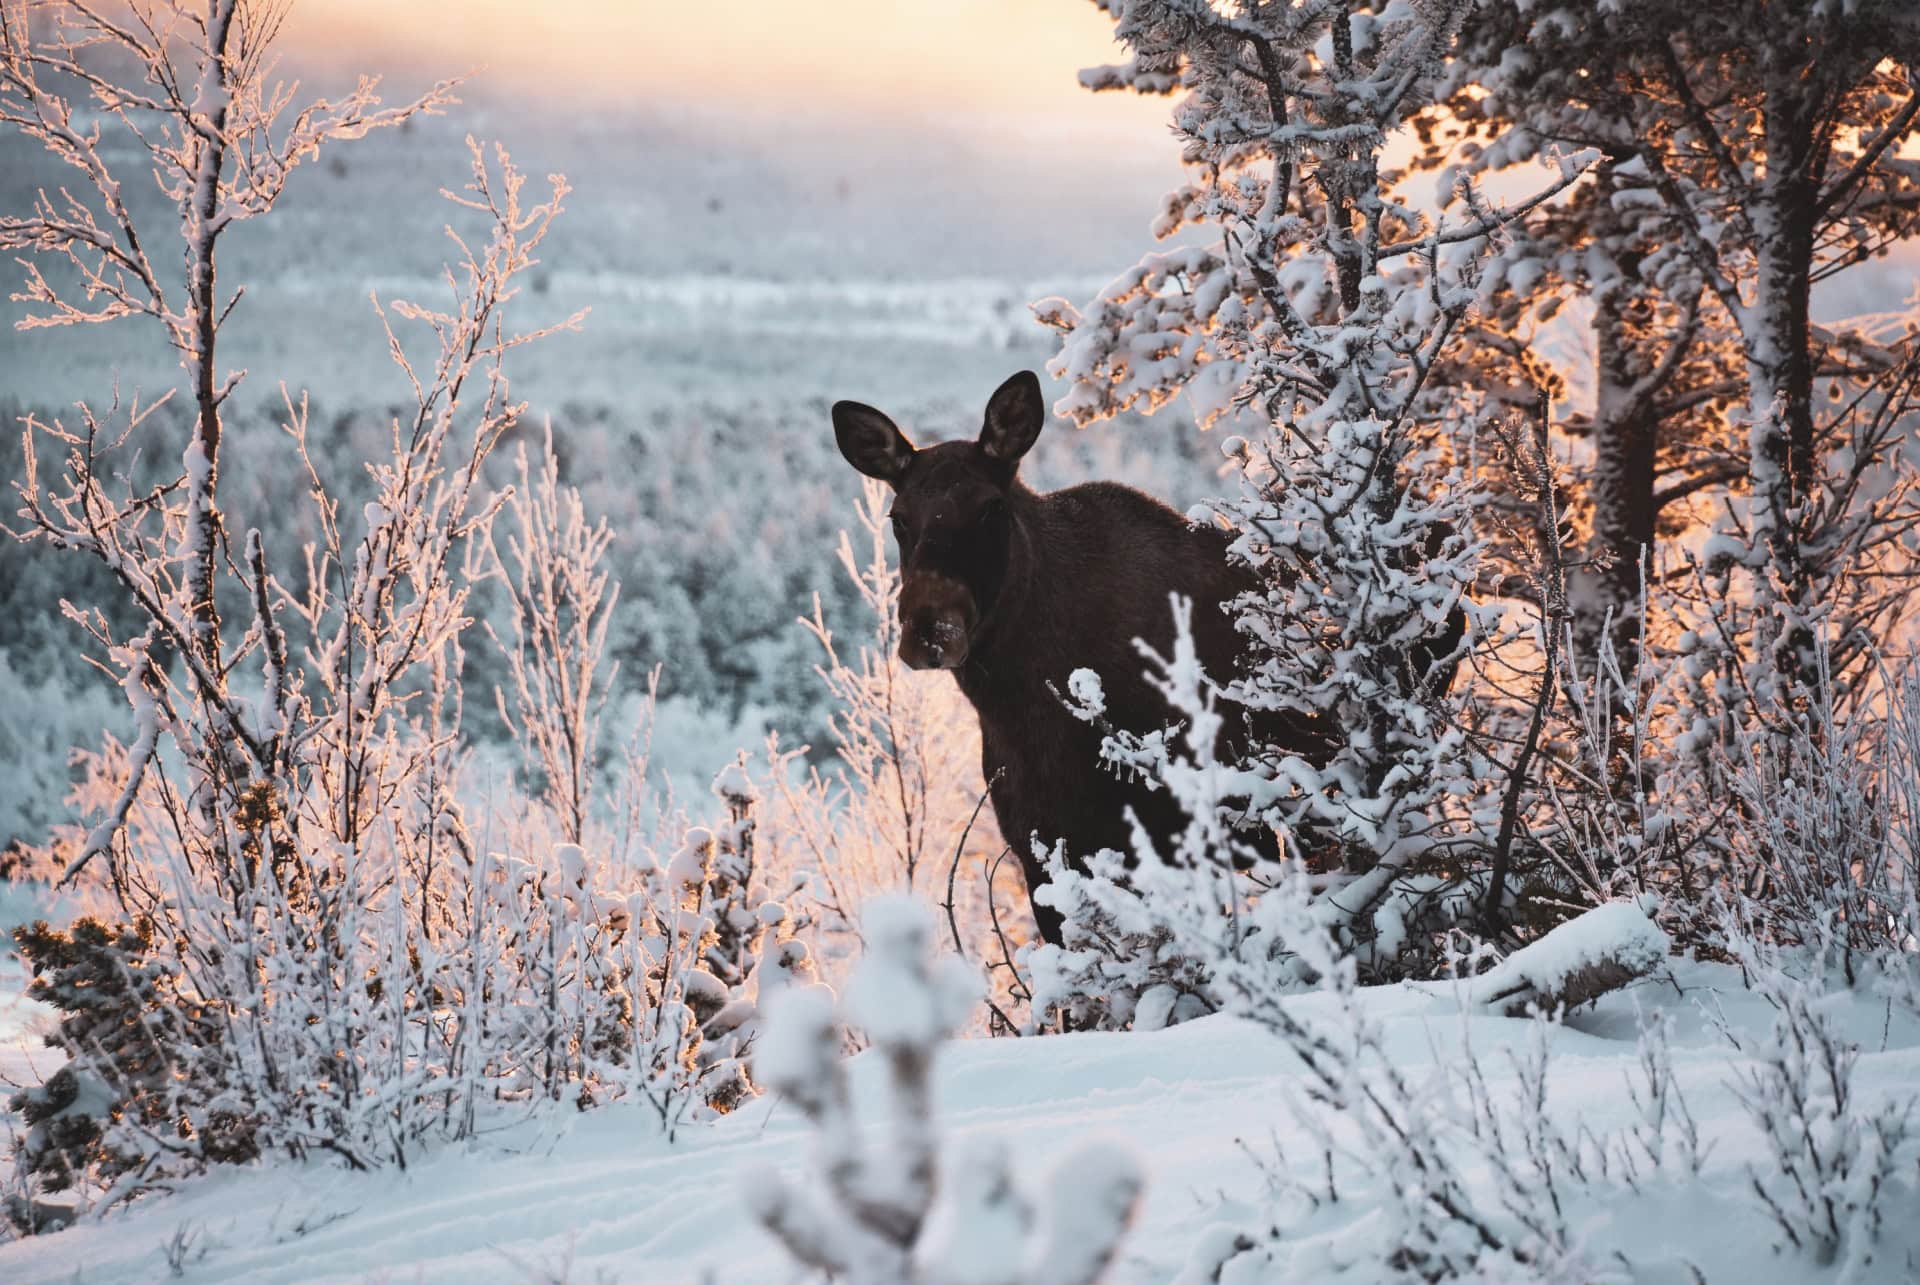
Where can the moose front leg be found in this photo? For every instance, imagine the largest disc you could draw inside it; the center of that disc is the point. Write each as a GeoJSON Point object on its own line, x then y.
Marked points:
{"type": "Point", "coordinates": [1020, 829]}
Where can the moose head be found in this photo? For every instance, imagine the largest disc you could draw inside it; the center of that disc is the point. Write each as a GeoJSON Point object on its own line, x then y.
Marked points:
{"type": "Point", "coordinates": [954, 515]}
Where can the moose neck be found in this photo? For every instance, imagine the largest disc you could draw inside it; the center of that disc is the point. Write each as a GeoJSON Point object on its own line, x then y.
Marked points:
{"type": "Point", "coordinates": [1023, 620]}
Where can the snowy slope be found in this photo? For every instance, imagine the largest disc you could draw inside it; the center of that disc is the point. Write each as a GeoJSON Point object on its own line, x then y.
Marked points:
{"type": "Point", "coordinates": [608, 1199]}
{"type": "Point", "coordinates": [726, 258]}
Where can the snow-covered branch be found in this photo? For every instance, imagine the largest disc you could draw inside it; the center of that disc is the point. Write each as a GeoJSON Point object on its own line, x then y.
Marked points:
{"type": "Point", "coordinates": [900, 1207]}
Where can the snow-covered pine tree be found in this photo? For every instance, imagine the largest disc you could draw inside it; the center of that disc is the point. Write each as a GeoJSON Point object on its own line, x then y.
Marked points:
{"type": "Point", "coordinates": [1757, 150]}
{"type": "Point", "coordinates": [120, 999]}
{"type": "Point", "coordinates": [1749, 153]}
{"type": "Point", "coordinates": [1316, 317]}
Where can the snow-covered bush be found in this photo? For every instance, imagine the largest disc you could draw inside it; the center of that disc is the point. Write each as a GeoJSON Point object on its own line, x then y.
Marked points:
{"type": "Point", "coordinates": [1606, 832]}
{"type": "Point", "coordinates": [896, 1207]}
{"type": "Point", "coordinates": [1122, 964]}
{"type": "Point", "coordinates": [298, 851]}
{"type": "Point", "coordinates": [1793, 817]}
{"type": "Point", "coordinates": [320, 954]}
{"type": "Point", "coordinates": [361, 1013]}
{"type": "Point", "coordinates": [1153, 937]}
{"type": "Point", "coordinates": [1798, 824]}
{"type": "Point", "coordinates": [1899, 966]}
{"type": "Point", "coordinates": [757, 947]}
{"type": "Point", "coordinates": [560, 602]}
{"type": "Point", "coordinates": [1398, 1187]}
{"type": "Point", "coordinates": [1813, 855]}
{"type": "Point", "coordinates": [1834, 1167]}
{"type": "Point", "coordinates": [725, 948]}
{"type": "Point", "coordinates": [1213, 924]}
{"type": "Point", "coordinates": [121, 1003]}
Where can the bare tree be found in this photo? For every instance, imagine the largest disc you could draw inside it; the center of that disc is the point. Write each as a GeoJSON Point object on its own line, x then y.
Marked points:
{"type": "Point", "coordinates": [560, 604]}
{"type": "Point", "coordinates": [221, 137]}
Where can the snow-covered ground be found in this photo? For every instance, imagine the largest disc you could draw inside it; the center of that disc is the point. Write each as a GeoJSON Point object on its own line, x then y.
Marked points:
{"type": "Point", "coordinates": [602, 1196]}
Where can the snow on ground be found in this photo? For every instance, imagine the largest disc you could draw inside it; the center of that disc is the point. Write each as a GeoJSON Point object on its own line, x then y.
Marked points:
{"type": "Point", "coordinates": [24, 1058]}
{"type": "Point", "coordinates": [606, 1198]}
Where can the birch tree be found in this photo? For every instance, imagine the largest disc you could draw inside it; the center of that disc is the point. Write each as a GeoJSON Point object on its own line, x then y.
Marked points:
{"type": "Point", "coordinates": [220, 135]}
{"type": "Point", "coordinates": [330, 962]}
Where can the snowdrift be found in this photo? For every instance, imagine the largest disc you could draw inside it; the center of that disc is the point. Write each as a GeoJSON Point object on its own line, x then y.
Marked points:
{"type": "Point", "coordinates": [601, 1196]}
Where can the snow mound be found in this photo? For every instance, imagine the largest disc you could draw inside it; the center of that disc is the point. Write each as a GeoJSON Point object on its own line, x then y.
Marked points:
{"type": "Point", "coordinates": [600, 1195]}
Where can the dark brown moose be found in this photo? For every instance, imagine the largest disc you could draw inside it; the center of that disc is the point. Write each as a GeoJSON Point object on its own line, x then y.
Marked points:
{"type": "Point", "coordinates": [1011, 591]}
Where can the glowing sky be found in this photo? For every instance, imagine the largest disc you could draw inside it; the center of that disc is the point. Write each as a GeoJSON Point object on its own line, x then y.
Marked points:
{"type": "Point", "coordinates": [966, 57]}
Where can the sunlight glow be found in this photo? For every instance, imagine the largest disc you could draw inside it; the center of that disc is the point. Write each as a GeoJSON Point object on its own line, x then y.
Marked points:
{"type": "Point", "coordinates": [974, 56]}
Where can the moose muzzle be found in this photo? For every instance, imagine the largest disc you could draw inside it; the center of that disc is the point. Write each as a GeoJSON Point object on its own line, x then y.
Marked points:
{"type": "Point", "coordinates": [936, 618]}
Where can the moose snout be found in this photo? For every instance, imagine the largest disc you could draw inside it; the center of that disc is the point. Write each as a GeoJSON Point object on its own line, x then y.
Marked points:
{"type": "Point", "coordinates": [936, 619]}
{"type": "Point", "coordinates": [934, 640]}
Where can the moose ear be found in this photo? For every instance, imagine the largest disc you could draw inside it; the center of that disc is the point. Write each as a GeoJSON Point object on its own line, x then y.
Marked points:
{"type": "Point", "coordinates": [1015, 415]}
{"type": "Point", "coordinates": [871, 442]}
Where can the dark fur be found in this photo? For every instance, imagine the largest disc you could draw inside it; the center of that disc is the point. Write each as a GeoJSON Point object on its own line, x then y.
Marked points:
{"type": "Point", "coordinates": [1118, 554]}
{"type": "Point", "coordinates": [1012, 591]}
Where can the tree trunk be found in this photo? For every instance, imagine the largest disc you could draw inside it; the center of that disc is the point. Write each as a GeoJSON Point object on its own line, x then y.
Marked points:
{"type": "Point", "coordinates": [1626, 438]}
{"type": "Point", "coordinates": [211, 101]}
{"type": "Point", "coordinates": [1779, 352]}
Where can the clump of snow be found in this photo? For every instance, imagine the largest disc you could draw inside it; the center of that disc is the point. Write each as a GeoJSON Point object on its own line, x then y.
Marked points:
{"type": "Point", "coordinates": [1083, 685]}
{"type": "Point", "coordinates": [901, 995]}
{"type": "Point", "coordinates": [735, 783]}
{"type": "Point", "coordinates": [894, 1206]}
{"type": "Point", "coordinates": [800, 1040]}
{"type": "Point", "coordinates": [1096, 1188]}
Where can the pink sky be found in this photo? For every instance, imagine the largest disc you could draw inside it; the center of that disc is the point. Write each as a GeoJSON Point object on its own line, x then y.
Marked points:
{"type": "Point", "coordinates": [965, 57]}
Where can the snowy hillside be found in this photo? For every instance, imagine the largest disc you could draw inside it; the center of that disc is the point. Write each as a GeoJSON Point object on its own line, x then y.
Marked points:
{"type": "Point", "coordinates": [726, 259]}
{"type": "Point", "coordinates": [602, 1197]}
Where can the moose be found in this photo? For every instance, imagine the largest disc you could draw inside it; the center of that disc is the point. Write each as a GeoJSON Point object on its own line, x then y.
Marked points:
{"type": "Point", "coordinates": [1010, 591]}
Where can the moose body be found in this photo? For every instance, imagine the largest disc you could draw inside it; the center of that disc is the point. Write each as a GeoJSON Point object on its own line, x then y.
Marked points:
{"type": "Point", "coordinates": [1011, 591]}
{"type": "Point", "coordinates": [1113, 557]}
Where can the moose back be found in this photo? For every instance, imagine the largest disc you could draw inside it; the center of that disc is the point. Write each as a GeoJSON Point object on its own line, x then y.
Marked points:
{"type": "Point", "coordinates": [1011, 591]}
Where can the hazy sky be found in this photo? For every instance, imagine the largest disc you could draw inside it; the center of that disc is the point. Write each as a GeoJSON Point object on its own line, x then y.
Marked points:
{"type": "Point", "coordinates": [965, 57]}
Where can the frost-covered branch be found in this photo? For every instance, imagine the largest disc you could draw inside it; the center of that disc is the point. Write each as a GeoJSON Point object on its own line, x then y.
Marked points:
{"type": "Point", "coordinates": [900, 808]}
{"type": "Point", "coordinates": [560, 605]}
{"type": "Point", "coordinates": [217, 139]}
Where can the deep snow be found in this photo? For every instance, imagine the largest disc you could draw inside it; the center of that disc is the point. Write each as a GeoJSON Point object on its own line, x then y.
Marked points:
{"type": "Point", "coordinates": [601, 1196]}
